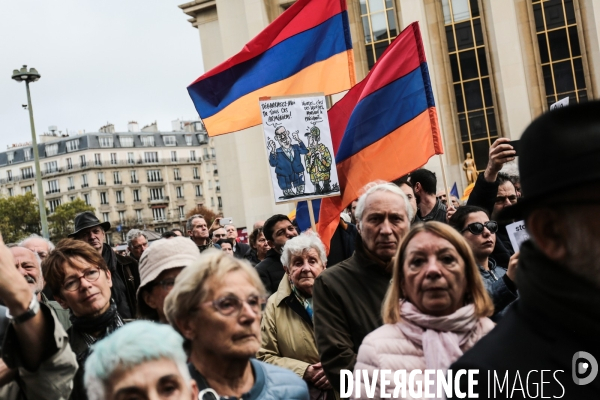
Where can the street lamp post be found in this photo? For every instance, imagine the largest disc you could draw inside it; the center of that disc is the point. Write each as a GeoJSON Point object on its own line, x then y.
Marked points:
{"type": "Point", "coordinates": [32, 75]}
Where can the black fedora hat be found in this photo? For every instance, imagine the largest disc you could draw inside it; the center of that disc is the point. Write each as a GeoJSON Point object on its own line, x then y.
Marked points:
{"type": "Point", "coordinates": [87, 219]}
{"type": "Point", "coordinates": [559, 151]}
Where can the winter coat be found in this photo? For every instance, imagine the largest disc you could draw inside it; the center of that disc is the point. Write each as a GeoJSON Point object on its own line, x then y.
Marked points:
{"type": "Point", "coordinates": [389, 348]}
{"type": "Point", "coordinates": [271, 270]}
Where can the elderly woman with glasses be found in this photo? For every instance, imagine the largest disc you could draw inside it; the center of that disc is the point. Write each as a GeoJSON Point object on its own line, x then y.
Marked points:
{"type": "Point", "coordinates": [288, 338]}
{"type": "Point", "coordinates": [475, 226]}
{"type": "Point", "coordinates": [81, 282]}
{"type": "Point", "coordinates": [216, 304]}
{"type": "Point", "coordinates": [159, 266]}
{"type": "Point", "coordinates": [435, 309]}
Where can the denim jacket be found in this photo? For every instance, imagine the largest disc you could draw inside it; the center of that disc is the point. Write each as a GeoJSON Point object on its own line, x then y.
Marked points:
{"type": "Point", "coordinates": [500, 287]}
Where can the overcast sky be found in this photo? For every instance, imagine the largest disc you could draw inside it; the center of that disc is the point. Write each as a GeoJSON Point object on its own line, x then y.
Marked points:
{"type": "Point", "coordinates": [100, 61]}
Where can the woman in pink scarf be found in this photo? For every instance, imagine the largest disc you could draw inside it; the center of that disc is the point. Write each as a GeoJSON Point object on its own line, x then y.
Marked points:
{"type": "Point", "coordinates": [435, 309]}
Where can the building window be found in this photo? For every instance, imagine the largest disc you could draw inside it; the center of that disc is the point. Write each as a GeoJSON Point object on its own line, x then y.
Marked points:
{"type": "Point", "coordinates": [176, 174]}
{"type": "Point", "coordinates": [173, 156]}
{"type": "Point", "coordinates": [82, 161]}
{"type": "Point", "coordinates": [379, 26]}
{"type": "Point", "coordinates": [151, 157]}
{"type": "Point", "coordinates": [113, 158]}
{"type": "Point", "coordinates": [210, 184]}
{"type": "Point", "coordinates": [105, 217]}
{"type": "Point", "coordinates": [105, 141]}
{"type": "Point", "coordinates": [206, 156]}
{"type": "Point", "coordinates": [117, 177]}
{"type": "Point", "coordinates": [220, 202]}
{"type": "Point", "coordinates": [213, 152]}
{"type": "Point", "coordinates": [215, 170]}
{"type": "Point", "coordinates": [119, 196]}
{"type": "Point", "coordinates": [196, 173]}
{"type": "Point", "coordinates": [136, 195]}
{"type": "Point", "coordinates": [53, 187]}
{"type": "Point", "coordinates": [121, 217]}
{"type": "Point", "coordinates": [11, 192]}
{"type": "Point", "coordinates": [103, 198]}
{"type": "Point", "coordinates": [86, 198]}
{"type": "Point", "coordinates": [26, 172]}
{"type": "Point", "coordinates": [134, 177]}
{"type": "Point", "coordinates": [126, 141]}
{"type": "Point", "coordinates": [69, 163]}
{"type": "Point", "coordinates": [9, 175]}
{"type": "Point", "coordinates": [198, 190]}
{"type": "Point", "coordinates": [71, 183]}
{"type": "Point", "coordinates": [181, 212]}
{"type": "Point", "coordinates": [10, 156]}
{"type": "Point", "coordinates": [52, 204]}
{"type": "Point", "coordinates": [51, 149]}
{"type": "Point", "coordinates": [207, 168]}
{"type": "Point", "coordinates": [560, 52]}
{"type": "Point", "coordinates": [217, 186]}
{"type": "Point", "coordinates": [179, 191]}
{"type": "Point", "coordinates": [192, 155]}
{"type": "Point", "coordinates": [156, 194]}
{"type": "Point", "coordinates": [147, 141]}
{"type": "Point", "coordinates": [51, 167]}
{"type": "Point", "coordinates": [471, 78]}
{"type": "Point", "coordinates": [73, 145]}
{"type": "Point", "coordinates": [170, 140]}
{"type": "Point", "coordinates": [212, 201]}
{"type": "Point", "coordinates": [130, 158]}
{"type": "Point", "coordinates": [27, 154]}
{"type": "Point", "coordinates": [188, 140]}
{"type": "Point", "coordinates": [97, 159]}
{"type": "Point", "coordinates": [158, 214]}
{"type": "Point", "coordinates": [154, 175]}
{"type": "Point", "coordinates": [101, 180]}
{"type": "Point", "coordinates": [202, 138]}
{"type": "Point", "coordinates": [27, 189]}
{"type": "Point", "coordinates": [84, 181]}
{"type": "Point", "coordinates": [72, 198]}
{"type": "Point", "coordinates": [138, 216]}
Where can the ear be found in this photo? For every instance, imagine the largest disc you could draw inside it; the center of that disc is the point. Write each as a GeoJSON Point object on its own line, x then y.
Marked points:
{"type": "Point", "coordinates": [417, 187]}
{"type": "Point", "coordinates": [186, 327]}
{"type": "Point", "coordinates": [62, 302]}
{"type": "Point", "coordinates": [548, 230]}
{"type": "Point", "coordinates": [149, 299]}
{"type": "Point", "coordinates": [108, 278]}
{"type": "Point", "coordinates": [286, 269]}
{"type": "Point", "coordinates": [271, 244]}
{"type": "Point", "coordinates": [195, 389]}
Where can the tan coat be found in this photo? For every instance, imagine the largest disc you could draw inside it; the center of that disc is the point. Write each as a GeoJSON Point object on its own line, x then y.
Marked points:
{"type": "Point", "coordinates": [288, 339]}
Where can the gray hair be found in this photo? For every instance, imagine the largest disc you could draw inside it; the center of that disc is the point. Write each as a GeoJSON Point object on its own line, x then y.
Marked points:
{"type": "Point", "coordinates": [301, 243]}
{"type": "Point", "coordinates": [37, 256]}
{"type": "Point", "coordinates": [188, 225]}
{"type": "Point", "coordinates": [34, 236]}
{"type": "Point", "coordinates": [380, 187]}
{"type": "Point", "coordinates": [134, 234]}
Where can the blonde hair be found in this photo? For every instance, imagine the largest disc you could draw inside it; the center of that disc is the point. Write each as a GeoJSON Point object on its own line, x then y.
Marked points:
{"type": "Point", "coordinates": [191, 287]}
{"type": "Point", "coordinates": [476, 292]}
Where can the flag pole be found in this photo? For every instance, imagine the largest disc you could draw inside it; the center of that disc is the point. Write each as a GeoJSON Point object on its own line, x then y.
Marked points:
{"type": "Point", "coordinates": [448, 200]}
{"type": "Point", "coordinates": [311, 214]}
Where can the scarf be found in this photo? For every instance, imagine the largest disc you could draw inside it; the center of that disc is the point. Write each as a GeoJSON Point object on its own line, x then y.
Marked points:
{"type": "Point", "coordinates": [440, 337]}
{"type": "Point", "coordinates": [306, 302]}
{"type": "Point", "coordinates": [105, 323]}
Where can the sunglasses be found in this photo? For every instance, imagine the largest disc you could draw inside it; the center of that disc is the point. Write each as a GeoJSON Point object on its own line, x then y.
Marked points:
{"type": "Point", "coordinates": [476, 228]}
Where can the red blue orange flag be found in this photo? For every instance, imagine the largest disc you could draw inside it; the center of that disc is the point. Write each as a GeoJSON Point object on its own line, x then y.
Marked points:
{"type": "Point", "coordinates": [384, 127]}
{"type": "Point", "coordinates": [307, 49]}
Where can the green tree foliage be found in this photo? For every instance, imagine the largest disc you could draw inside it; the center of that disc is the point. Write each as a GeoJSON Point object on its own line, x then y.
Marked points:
{"type": "Point", "coordinates": [19, 217]}
{"type": "Point", "coordinates": [61, 222]}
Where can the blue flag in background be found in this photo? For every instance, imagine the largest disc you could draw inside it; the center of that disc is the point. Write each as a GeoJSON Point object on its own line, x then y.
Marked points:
{"type": "Point", "coordinates": [454, 191]}
{"type": "Point", "coordinates": [302, 217]}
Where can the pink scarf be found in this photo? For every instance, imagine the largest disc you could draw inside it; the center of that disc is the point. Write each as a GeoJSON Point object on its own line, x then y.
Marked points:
{"type": "Point", "coordinates": [440, 337]}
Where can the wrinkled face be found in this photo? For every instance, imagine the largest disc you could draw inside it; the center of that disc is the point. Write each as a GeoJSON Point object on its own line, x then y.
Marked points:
{"type": "Point", "coordinates": [155, 379]}
{"type": "Point", "coordinates": [228, 336]}
{"type": "Point", "coordinates": [434, 275]}
{"type": "Point", "coordinates": [138, 245]}
{"type": "Point", "coordinates": [442, 197]}
{"type": "Point", "coordinates": [283, 137]}
{"type": "Point", "coordinates": [482, 245]}
{"type": "Point", "coordinates": [384, 223]}
{"type": "Point", "coordinates": [199, 229]}
{"type": "Point", "coordinates": [161, 287]}
{"type": "Point", "coordinates": [94, 236]}
{"type": "Point", "coordinates": [39, 246]}
{"type": "Point", "coordinates": [91, 298]}
{"type": "Point", "coordinates": [506, 197]}
{"type": "Point", "coordinates": [262, 246]}
{"type": "Point", "coordinates": [410, 193]}
{"type": "Point", "coordinates": [226, 248]}
{"type": "Point", "coordinates": [219, 234]}
{"type": "Point", "coordinates": [282, 232]}
{"type": "Point", "coordinates": [231, 232]}
{"type": "Point", "coordinates": [28, 266]}
{"type": "Point", "coordinates": [303, 270]}
{"type": "Point", "coordinates": [455, 201]}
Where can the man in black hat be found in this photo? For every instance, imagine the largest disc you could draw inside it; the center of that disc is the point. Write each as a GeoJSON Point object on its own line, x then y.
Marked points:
{"type": "Point", "coordinates": [124, 270]}
{"type": "Point", "coordinates": [548, 340]}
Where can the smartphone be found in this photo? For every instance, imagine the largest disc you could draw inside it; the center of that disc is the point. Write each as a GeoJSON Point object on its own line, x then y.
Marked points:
{"type": "Point", "coordinates": [225, 221]}
{"type": "Point", "coordinates": [515, 145]}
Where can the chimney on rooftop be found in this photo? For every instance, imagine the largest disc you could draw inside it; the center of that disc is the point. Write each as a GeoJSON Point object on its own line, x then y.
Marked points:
{"type": "Point", "coordinates": [133, 126]}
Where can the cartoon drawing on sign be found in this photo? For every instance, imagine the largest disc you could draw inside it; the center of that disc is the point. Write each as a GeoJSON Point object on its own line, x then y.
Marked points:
{"type": "Point", "coordinates": [287, 162]}
{"type": "Point", "coordinates": [292, 156]}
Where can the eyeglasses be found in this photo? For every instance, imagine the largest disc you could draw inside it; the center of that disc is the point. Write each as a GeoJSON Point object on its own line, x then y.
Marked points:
{"type": "Point", "coordinates": [229, 305]}
{"type": "Point", "coordinates": [476, 228]}
{"type": "Point", "coordinates": [91, 275]}
{"type": "Point", "coordinates": [166, 284]}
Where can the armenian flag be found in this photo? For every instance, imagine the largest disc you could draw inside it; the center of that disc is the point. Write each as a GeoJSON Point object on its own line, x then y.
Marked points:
{"type": "Point", "coordinates": [307, 49]}
{"type": "Point", "coordinates": [385, 127]}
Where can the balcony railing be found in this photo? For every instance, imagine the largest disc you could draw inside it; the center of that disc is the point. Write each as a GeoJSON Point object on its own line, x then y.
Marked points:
{"type": "Point", "coordinates": [101, 183]}
{"type": "Point", "coordinates": [84, 185]}
{"type": "Point", "coordinates": [118, 182]}
{"type": "Point", "coordinates": [155, 180]}
{"type": "Point", "coordinates": [164, 199]}
{"type": "Point", "coordinates": [135, 181]}
{"type": "Point", "coordinates": [53, 191]}
{"type": "Point", "coordinates": [216, 172]}
{"type": "Point", "coordinates": [177, 178]}
{"type": "Point", "coordinates": [71, 188]}
{"type": "Point", "coordinates": [206, 157]}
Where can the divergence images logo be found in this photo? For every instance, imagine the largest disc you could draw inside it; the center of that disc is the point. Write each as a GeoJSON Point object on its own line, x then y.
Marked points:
{"type": "Point", "coordinates": [584, 364]}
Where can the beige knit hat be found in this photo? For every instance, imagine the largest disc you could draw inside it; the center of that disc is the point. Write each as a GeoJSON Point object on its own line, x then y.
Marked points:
{"type": "Point", "coordinates": [162, 255]}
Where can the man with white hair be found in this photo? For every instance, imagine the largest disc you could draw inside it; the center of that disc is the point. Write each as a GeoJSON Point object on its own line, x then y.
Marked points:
{"type": "Point", "coordinates": [42, 247]}
{"type": "Point", "coordinates": [141, 360]}
{"type": "Point", "coordinates": [347, 298]}
{"type": "Point", "coordinates": [137, 242]}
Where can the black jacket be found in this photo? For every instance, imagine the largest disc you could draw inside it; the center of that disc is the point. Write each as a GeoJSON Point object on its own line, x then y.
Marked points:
{"type": "Point", "coordinates": [342, 243]}
{"type": "Point", "coordinates": [240, 250]}
{"type": "Point", "coordinates": [126, 280]}
{"type": "Point", "coordinates": [556, 316]}
{"type": "Point", "coordinates": [271, 270]}
{"type": "Point", "coordinates": [438, 213]}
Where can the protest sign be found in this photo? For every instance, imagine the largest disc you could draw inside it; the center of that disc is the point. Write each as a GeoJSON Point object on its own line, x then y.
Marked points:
{"type": "Point", "coordinates": [299, 147]}
{"type": "Point", "coordinates": [517, 234]}
{"type": "Point", "coordinates": [560, 104]}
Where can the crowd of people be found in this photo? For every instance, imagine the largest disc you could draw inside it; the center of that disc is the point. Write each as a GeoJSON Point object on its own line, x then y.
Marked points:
{"type": "Point", "coordinates": [412, 280]}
